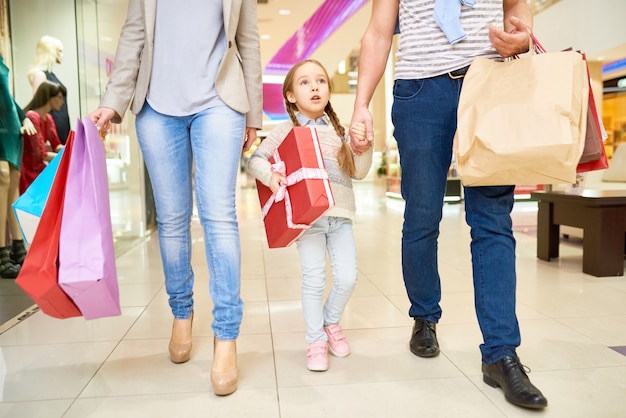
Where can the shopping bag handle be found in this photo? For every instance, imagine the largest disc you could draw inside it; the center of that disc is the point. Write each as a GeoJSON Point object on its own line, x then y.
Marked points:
{"type": "Point", "coordinates": [534, 47]}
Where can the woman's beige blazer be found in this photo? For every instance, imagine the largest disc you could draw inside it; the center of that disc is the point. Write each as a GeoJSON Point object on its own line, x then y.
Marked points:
{"type": "Point", "coordinates": [239, 77]}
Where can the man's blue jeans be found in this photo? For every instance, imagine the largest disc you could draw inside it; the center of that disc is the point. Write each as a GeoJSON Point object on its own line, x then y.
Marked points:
{"type": "Point", "coordinates": [212, 140]}
{"type": "Point", "coordinates": [424, 118]}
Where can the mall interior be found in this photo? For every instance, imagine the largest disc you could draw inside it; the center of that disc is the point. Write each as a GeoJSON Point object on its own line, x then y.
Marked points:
{"type": "Point", "coordinates": [572, 322]}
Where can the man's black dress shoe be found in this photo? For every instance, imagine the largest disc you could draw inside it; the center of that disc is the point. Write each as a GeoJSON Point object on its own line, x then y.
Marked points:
{"type": "Point", "coordinates": [424, 339]}
{"type": "Point", "coordinates": [508, 373]}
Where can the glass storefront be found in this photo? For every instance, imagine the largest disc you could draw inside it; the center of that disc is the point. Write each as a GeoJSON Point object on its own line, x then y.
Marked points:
{"type": "Point", "coordinates": [89, 31]}
{"type": "Point", "coordinates": [614, 113]}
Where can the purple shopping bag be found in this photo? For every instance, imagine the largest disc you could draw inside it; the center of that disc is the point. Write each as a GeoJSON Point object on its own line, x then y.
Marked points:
{"type": "Point", "coordinates": [87, 272]}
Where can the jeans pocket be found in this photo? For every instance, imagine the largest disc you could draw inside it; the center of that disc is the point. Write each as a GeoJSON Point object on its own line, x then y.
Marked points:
{"type": "Point", "coordinates": [407, 89]}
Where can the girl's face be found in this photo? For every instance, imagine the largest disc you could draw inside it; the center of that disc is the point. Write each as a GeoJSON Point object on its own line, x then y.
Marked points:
{"type": "Point", "coordinates": [310, 90]}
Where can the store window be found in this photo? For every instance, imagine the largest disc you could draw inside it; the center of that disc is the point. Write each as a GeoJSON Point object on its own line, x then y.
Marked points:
{"type": "Point", "coordinates": [89, 32]}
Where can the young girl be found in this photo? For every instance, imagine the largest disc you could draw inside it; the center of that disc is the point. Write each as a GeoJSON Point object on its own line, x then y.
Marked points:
{"type": "Point", "coordinates": [49, 96]}
{"type": "Point", "coordinates": [306, 92]}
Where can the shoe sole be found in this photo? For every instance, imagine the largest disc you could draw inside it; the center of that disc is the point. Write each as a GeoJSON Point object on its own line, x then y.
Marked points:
{"type": "Point", "coordinates": [425, 355]}
{"type": "Point", "coordinates": [494, 384]}
{"type": "Point", "coordinates": [226, 390]}
{"type": "Point", "coordinates": [317, 368]}
{"type": "Point", "coordinates": [179, 360]}
{"type": "Point", "coordinates": [336, 354]}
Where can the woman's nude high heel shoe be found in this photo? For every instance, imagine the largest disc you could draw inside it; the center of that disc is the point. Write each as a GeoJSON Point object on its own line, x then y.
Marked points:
{"type": "Point", "coordinates": [180, 343]}
{"type": "Point", "coordinates": [224, 370]}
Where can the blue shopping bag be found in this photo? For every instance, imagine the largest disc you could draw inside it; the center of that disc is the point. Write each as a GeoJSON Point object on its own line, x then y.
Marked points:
{"type": "Point", "coordinates": [29, 206]}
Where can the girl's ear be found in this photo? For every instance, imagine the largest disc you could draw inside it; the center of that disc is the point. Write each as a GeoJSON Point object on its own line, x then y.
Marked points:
{"type": "Point", "coordinates": [291, 97]}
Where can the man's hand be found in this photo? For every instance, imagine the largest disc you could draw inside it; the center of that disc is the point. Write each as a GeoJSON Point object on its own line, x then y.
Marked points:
{"type": "Point", "coordinates": [513, 43]}
{"type": "Point", "coordinates": [361, 130]}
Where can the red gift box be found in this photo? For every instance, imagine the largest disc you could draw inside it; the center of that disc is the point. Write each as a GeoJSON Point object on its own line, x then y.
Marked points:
{"type": "Point", "coordinates": [307, 195]}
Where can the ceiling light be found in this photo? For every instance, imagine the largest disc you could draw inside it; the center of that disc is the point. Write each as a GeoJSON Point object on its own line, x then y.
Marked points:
{"type": "Point", "coordinates": [341, 68]}
{"type": "Point", "coordinates": [284, 12]}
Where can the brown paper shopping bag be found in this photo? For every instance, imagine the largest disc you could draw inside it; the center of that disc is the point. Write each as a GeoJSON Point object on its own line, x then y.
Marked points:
{"type": "Point", "coordinates": [522, 121]}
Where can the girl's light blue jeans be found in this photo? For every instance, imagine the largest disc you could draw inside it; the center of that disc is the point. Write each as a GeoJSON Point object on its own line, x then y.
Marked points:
{"type": "Point", "coordinates": [334, 234]}
{"type": "Point", "coordinates": [212, 141]}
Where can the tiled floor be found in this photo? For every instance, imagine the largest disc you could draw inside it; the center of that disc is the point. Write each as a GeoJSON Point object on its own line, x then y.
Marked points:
{"type": "Point", "coordinates": [128, 225]}
{"type": "Point", "coordinates": [118, 367]}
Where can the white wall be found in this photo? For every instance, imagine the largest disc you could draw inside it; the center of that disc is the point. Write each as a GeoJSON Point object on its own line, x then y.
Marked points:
{"type": "Point", "coordinates": [596, 27]}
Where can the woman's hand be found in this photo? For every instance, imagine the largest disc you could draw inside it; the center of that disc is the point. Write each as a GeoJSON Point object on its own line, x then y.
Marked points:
{"type": "Point", "coordinates": [249, 139]}
{"type": "Point", "coordinates": [102, 118]}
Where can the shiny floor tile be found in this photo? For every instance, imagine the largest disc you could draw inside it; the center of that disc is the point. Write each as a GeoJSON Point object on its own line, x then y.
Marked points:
{"type": "Point", "coordinates": [572, 324]}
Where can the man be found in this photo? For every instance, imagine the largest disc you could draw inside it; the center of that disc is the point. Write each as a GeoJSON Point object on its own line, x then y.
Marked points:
{"type": "Point", "coordinates": [438, 41]}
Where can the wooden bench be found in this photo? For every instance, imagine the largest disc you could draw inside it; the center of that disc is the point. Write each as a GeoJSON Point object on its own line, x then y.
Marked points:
{"type": "Point", "coordinates": [602, 216]}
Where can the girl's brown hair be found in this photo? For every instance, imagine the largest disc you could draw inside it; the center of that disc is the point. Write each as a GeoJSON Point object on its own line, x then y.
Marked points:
{"type": "Point", "coordinates": [344, 156]}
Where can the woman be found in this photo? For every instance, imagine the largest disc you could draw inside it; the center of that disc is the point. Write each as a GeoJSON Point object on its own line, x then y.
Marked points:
{"type": "Point", "coordinates": [198, 100]}
{"type": "Point", "coordinates": [44, 144]}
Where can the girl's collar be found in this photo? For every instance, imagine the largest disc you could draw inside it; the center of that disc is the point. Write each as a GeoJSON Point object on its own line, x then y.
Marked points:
{"type": "Point", "coordinates": [305, 120]}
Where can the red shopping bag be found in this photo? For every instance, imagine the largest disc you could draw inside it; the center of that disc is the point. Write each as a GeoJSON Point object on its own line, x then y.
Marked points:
{"type": "Point", "coordinates": [38, 276]}
{"type": "Point", "coordinates": [87, 270]}
{"type": "Point", "coordinates": [594, 155]}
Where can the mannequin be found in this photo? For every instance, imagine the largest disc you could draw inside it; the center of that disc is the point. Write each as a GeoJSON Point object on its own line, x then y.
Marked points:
{"type": "Point", "coordinates": [49, 52]}
{"type": "Point", "coordinates": [13, 122]}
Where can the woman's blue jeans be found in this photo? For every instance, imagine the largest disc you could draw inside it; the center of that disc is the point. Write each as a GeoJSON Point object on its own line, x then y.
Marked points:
{"type": "Point", "coordinates": [424, 118]}
{"type": "Point", "coordinates": [212, 141]}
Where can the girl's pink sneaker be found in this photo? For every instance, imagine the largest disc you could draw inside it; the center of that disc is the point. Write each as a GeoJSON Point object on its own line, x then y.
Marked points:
{"type": "Point", "coordinates": [337, 342]}
{"type": "Point", "coordinates": [317, 356]}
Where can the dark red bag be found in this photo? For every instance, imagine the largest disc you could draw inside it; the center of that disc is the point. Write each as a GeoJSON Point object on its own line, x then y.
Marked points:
{"type": "Point", "coordinates": [594, 155]}
{"type": "Point", "coordinates": [40, 272]}
{"type": "Point", "coordinates": [599, 164]}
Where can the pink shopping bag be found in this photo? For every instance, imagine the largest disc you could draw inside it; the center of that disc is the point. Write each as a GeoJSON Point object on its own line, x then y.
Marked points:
{"type": "Point", "coordinates": [87, 272]}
